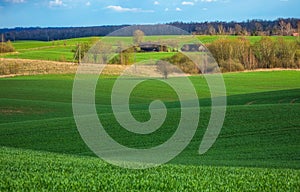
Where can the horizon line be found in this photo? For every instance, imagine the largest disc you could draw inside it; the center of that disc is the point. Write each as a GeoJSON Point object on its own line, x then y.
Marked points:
{"type": "Point", "coordinates": [166, 23]}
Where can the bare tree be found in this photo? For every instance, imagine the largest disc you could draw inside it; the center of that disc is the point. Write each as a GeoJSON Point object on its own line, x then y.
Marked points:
{"type": "Point", "coordinates": [164, 68]}
{"type": "Point", "coordinates": [100, 52]}
{"type": "Point", "coordinates": [238, 29]}
{"type": "Point", "coordinates": [221, 29]}
{"type": "Point", "coordinates": [288, 29]}
{"type": "Point", "coordinates": [298, 29]}
{"type": "Point", "coordinates": [138, 36]}
{"type": "Point", "coordinates": [282, 26]}
{"type": "Point", "coordinates": [258, 28]}
{"type": "Point", "coordinates": [211, 30]}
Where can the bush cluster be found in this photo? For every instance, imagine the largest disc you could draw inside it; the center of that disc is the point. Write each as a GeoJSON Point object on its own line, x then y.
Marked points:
{"type": "Point", "coordinates": [239, 54]}
{"type": "Point", "coordinates": [6, 47]}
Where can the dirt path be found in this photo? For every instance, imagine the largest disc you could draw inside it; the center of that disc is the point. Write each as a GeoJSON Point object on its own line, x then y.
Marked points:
{"type": "Point", "coordinates": [273, 69]}
{"type": "Point", "coordinates": [16, 67]}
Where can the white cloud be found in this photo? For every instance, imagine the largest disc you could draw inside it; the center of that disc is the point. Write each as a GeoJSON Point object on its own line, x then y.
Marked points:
{"type": "Point", "coordinates": [187, 3]}
{"type": "Point", "coordinates": [204, 9]}
{"type": "Point", "coordinates": [124, 9]}
{"type": "Point", "coordinates": [225, 1]}
{"type": "Point", "coordinates": [56, 3]}
{"type": "Point", "coordinates": [208, 1]}
{"type": "Point", "coordinates": [178, 9]}
{"type": "Point", "coordinates": [156, 3]}
{"type": "Point", "coordinates": [166, 9]}
{"type": "Point", "coordinates": [88, 3]}
{"type": "Point", "coordinates": [15, 1]}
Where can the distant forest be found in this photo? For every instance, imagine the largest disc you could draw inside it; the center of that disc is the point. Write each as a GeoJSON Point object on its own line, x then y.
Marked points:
{"type": "Point", "coordinates": [280, 26]}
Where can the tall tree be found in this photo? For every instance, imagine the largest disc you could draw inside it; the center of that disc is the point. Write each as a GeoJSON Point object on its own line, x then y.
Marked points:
{"type": "Point", "coordinates": [80, 51]}
{"type": "Point", "coordinates": [298, 29]}
{"type": "Point", "coordinates": [265, 51]}
{"type": "Point", "coordinates": [101, 52]}
{"type": "Point", "coordinates": [138, 36]}
{"type": "Point", "coordinates": [285, 53]}
{"type": "Point", "coordinates": [288, 29]}
{"type": "Point", "coordinates": [282, 26]}
{"type": "Point", "coordinates": [238, 29]}
{"type": "Point", "coordinates": [258, 28]}
{"type": "Point", "coordinates": [211, 30]}
{"type": "Point", "coordinates": [164, 68]}
{"type": "Point", "coordinates": [221, 29]}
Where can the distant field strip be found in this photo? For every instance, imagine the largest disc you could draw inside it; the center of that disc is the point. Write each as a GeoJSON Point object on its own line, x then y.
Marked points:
{"type": "Point", "coordinates": [61, 50]}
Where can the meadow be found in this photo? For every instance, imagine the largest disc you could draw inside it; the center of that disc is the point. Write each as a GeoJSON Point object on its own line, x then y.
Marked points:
{"type": "Point", "coordinates": [61, 50]}
{"type": "Point", "coordinates": [41, 149]}
{"type": "Point", "coordinates": [257, 149]}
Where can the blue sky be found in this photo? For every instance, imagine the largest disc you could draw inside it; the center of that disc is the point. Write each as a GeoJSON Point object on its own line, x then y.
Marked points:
{"type": "Point", "coordinates": [55, 13]}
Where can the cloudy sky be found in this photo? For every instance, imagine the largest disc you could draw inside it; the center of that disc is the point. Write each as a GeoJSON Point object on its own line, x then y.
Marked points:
{"type": "Point", "coordinates": [54, 13]}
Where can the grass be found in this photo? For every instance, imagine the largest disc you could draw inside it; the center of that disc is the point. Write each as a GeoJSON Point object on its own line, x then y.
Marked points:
{"type": "Point", "coordinates": [30, 170]}
{"type": "Point", "coordinates": [50, 54]}
{"type": "Point", "coordinates": [139, 57]}
{"type": "Point", "coordinates": [257, 150]}
{"type": "Point", "coordinates": [61, 50]}
{"type": "Point", "coordinates": [23, 45]}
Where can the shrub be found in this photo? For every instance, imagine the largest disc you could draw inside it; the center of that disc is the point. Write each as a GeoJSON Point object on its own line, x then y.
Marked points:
{"type": "Point", "coordinates": [6, 47]}
{"type": "Point", "coordinates": [184, 63]}
{"type": "Point", "coordinates": [297, 58]}
{"type": "Point", "coordinates": [233, 49]}
{"type": "Point", "coordinates": [126, 57]}
{"type": "Point", "coordinates": [265, 52]}
{"type": "Point", "coordinates": [231, 66]}
{"type": "Point", "coordinates": [285, 53]}
{"type": "Point", "coordinates": [80, 50]}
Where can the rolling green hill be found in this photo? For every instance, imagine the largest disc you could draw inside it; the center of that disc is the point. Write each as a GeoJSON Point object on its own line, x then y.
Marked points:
{"type": "Point", "coordinates": [257, 150]}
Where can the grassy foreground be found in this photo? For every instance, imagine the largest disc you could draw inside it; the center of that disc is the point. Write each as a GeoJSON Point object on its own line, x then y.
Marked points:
{"type": "Point", "coordinates": [27, 170]}
{"type": "Point", "coordinates": [257, 150]}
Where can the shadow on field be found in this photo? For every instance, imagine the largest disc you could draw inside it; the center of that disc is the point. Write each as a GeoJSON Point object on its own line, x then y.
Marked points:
{"type": "Point", "coordinates": [260, 130]}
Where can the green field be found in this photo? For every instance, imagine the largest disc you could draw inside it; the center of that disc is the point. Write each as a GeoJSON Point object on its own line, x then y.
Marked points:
{"type": "Point", "coordinates": [61, 50]}
{"type": "Point", "coordinates": [257, 150]}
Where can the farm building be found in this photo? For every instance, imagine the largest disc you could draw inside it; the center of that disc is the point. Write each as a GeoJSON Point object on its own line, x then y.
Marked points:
{"type": "Point", "coordinates": [193, 48]}
{"type": "Point", "coordinates": [152, 47]}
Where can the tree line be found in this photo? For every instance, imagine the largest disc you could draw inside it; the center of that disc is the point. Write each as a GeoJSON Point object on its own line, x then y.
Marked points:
{"type": "Point", "coordinates": [281, 27]}
{"type": "Point", "coordinates": [238, 54]}
{"type": "Point", "coordinates": [251, 27]}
